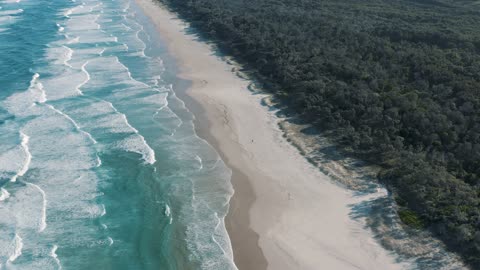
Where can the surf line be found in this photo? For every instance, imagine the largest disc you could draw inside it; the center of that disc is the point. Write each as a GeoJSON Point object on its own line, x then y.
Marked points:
{"type": "Point", "coordinates": [17, 248]}
{"type": "Point", "coordinates": [26, 165]}
{"type": "Point", "coordinates": [53, 254]}
{"type": "Point", "coordinates": [77, 127]}
{"type": "Point", "coordinates": [28, 157]}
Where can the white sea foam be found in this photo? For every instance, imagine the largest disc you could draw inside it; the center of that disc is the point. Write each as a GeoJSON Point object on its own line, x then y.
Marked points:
{"type": "Point", "coordinates": [95, 211]}
{"type": "Point", "coordinates": [129, 74]}
{"type": "Point", "coordinates": [43, 217]}
{"type": "Point", "coordinates": [95, 6]}
{"type": "Point", "coordinates": [109, 122]}
{"type": "Point", "coordinates": [87, 75]}
{"type": "Point", "coordinates": [8, 17]}
{"type": "Point", "coordinates": [85, 28]}
{"type": "Point", "coordinates": [167, 210]}
{"type": "Point", "coordinates": [73, 150]}
{"type": "Point", "coordinates": [127, 28]}
{"type": "Point", "coordinates": [27, 159]}
{"type": "Point", "coordinates": [157, 99]}
{"type": "Point", "coordinates": [127, 7]}
{"type": "Point", "coordinates": [68, 56]}
{"type": "Point", "coordinates": [17, 246]}
{"type": "Point", "coordinates": [79, 9]}
{"type": "Point", "coordinates": [83, 23]}
{"type": "Point", "coordinates": [199, 159]}
{"type": "Point", "coordinates": [27, 215]}
{"type": "Point", "coordinates": [53, 254]}
{"type": "Point", "coordinates": [137, 144]}
{"type": "Point", "coordinates": [165, 105]}
{"type": "Point", "coordinates": [103, 115]}
{"type": "Point", "coordinates": [103, 210]}
{"type": "Point", "coordinates": [124, 117]}
{"type": "Point", "coordinates": [60, 55]}
{"type": "Point", "coordinates": [10, 12]}
{"type": "Point", "coordinates": [60, 28]}
{"type": "Point", "coordinates": [220, 227]}
{"type": "Point", "coordinates": [65, 84]}
{"type": "Point", "coordinates": [68, 13]}
{"type": "Point", "coordinates": [64, 160]}
{"type": "Point", "coordinates": [174, 130]}
{"type": "Point", "coordinates": [37, 87]}
{"type": "Point", "coordinates": [12, 159]}
{"type": "Point", "coordinates": [99, 161]}
{"type": "Point", "coordinates": [115, 104]}
{"type": "Point", "coordinates": [77, 127]}
{"type": "Point", "coordinates": [168, 214]}
{"type": "Point", "coordinates": [4, 194]}
{"type": "Point", "coordinates": [18, 104]}
{"type": "Point", "coordinates": [73, 40]}
{"type": "Point", "coordinates": [81, 54]}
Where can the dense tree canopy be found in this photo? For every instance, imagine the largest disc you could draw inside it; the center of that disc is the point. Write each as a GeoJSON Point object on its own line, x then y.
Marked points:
{"type": "Point", "coordinates": [395, 82]}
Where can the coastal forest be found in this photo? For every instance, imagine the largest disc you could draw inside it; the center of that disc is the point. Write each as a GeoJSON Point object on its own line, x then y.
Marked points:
{"type": "Point", "coordinates": [393, 82]}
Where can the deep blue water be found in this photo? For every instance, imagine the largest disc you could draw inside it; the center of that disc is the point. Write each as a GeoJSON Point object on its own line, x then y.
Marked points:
{"type": "Point", "coordinates": [100, 166]}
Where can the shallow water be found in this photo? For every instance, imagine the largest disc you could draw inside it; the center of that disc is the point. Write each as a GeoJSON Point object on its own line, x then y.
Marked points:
{"type": "Point", "coordinates": [99, 162]}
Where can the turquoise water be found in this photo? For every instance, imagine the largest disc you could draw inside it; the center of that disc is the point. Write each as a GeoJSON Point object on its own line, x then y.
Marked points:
{"type": "Point", "coordinates": [100, 166]}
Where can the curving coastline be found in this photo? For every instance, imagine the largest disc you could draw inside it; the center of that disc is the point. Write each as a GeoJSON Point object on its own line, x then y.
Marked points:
{"type": "Point", "coordinates": [285, 214]}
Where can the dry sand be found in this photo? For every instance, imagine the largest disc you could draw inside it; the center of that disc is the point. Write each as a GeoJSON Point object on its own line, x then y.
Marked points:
{"type": "Point", "coordinates": [285, 213]}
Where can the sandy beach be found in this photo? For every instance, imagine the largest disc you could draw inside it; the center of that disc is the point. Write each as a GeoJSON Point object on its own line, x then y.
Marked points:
{"type": "Point", "coordinates": [285, 213]}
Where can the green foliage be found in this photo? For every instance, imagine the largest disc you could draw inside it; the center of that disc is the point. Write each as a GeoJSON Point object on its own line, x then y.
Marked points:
{"type": "Point", "coordinates": [396, 81]}
{"type": "Point", "coordinates": [410, 218]}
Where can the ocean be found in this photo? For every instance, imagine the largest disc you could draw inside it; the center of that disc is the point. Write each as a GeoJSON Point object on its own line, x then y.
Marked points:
{"type": "Point", "coordinates": [100, 165]}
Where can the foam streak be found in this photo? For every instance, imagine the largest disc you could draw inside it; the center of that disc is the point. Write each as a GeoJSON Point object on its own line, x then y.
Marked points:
{"type": "Point", "coordinates": [17, 248]}
{"type": "Point", "coordinates": [84, 70]}
{"type": "Point", "coordinates": [28, 157]}
{"type": "Point", "coordinates": [77, 127]}
{"type": "Point", "coordinates": [53, 254]}
{"type": "Point", "coordinates": [4, 194]}
{"type": "Point", "coordinates": [43, 217]}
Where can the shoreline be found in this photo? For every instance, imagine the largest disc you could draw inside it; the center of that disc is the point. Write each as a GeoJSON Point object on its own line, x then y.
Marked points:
{"type": "Point", "coordinates": [244, 240]}
{"type": "Point", "coordinates": [246, 250]}
{"type": "Point", "coordinates": [285, 214]}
